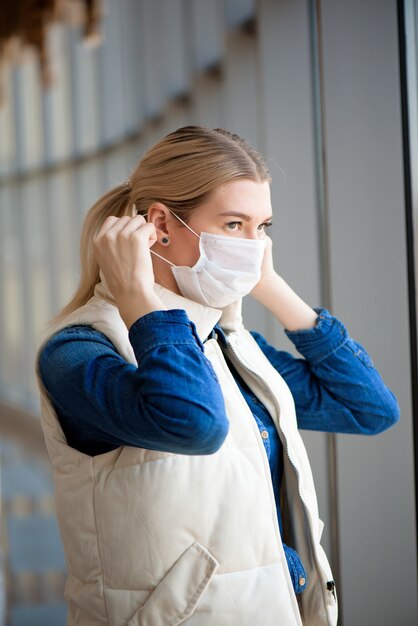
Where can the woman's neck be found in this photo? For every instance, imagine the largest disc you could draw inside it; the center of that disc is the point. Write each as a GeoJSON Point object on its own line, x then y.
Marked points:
{"type": "Point", "coordinates": [164, 276]}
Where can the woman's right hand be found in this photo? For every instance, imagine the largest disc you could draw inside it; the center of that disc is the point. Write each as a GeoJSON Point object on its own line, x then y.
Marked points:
{"type": "Point", "coordinates": [122, 251]}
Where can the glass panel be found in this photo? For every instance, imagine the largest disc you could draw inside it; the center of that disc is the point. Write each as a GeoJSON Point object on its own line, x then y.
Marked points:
{"type": "Point", "coordinates": [34, 229]}
{"type": "Point", "coordinates": [132, 69]}
{"type": "Point", "coordinates": [174, 49]}
{"type": "Point", "coordinates": [206, 24]}
{"type": "Point", "coordinates": [31, 118]}
{"type": "Point", "coordinates": [238, 11]}
{"type": "Point", "coordinates": [112, 94]}
{"type": "Point", "coordinates": [84, 93]}
{"type": "Point", "coordinates": [90, 185]}
{"type": "Point", "coordinates": [63, 233]}
{"type": "Point", "coordinates": [117, 169]}
{"type": "Point", "coordinates": [11, 354]}
{"type": "Point", "coordinates": [411, 26]}
{"type": "Point", "coordinates": [153, 57]}
{"type": "Point", "coordinates": [7, 124]}
{"type": "Point", "coordinates": [57, 98]}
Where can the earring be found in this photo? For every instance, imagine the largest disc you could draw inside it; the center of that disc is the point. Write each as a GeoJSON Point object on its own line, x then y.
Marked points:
{"type": "Point", "coordinates": [164, 240]}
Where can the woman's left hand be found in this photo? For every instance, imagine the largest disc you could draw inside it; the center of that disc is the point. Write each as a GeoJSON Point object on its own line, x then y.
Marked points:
{"type": "Point", "coordinates": [278, 297]}
{"type": "Point", "coordinates": [267, 270]}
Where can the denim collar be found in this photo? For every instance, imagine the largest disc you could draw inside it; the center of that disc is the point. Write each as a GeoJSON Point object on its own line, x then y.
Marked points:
{"type": "Point", "coordinates": [204, 317]}
{"type": "Point", "coordinates": [218, 334]}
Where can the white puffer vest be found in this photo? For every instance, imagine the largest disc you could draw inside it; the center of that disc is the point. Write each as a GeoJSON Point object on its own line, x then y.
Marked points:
{"type": "Point", "coordinates": [159, 539]}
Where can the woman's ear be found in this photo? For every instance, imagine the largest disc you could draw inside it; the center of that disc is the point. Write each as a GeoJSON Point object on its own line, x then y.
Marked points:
{"type": "Point", "coordinates": [159, 214]}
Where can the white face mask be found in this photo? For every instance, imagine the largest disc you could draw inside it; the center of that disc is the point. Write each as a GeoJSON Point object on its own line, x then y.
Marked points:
{"type": "Point", "coordinates": [227, 269]}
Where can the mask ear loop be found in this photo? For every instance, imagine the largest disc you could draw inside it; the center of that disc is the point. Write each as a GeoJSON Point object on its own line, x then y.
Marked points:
{"type": "Point", "coordinates": [186, 225]}
{"type": "Point", "coordinates": [161, 257]}
{"type": "Point", "coordinates": [145, 216]}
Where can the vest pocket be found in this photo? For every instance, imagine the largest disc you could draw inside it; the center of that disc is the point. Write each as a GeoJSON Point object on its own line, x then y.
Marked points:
{"type": "Point", "coordinates": [175, 598]}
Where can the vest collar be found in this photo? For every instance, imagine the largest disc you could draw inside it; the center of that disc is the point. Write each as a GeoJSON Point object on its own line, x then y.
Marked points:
{"type": "Point", "coordinates": [204, 317]}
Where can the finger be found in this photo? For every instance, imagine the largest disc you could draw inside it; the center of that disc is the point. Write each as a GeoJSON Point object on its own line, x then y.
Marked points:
{"type": "Point", "coordinates": [145, 232]}
{"type": "Point", "coordinates": [134, 223]}
{"type": "Point", "coordinates": [107, 224]}
{"type": "Point", "coordinates": [148, 232]}
{"type": "Point", "coordinates": [118, 225]}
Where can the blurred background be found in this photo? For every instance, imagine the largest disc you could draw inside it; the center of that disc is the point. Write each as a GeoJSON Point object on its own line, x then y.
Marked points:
{"type": "Point", "coordinates": [328, 91]}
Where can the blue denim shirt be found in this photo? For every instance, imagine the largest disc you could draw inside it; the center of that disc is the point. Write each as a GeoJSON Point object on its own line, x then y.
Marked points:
{"type": "Point", "coordinates": [173, 401]}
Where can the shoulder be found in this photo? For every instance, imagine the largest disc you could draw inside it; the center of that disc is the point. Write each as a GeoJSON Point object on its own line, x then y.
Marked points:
{"type": "Point", "coordinates": [70, 344]}
{"type": "Point", "coordinates": [75, 333]}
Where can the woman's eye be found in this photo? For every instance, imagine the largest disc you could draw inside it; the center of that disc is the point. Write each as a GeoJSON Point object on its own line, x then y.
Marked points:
{"type": "Point", "coordinates": [263, 226]}
{"type": "Point", "coordinates": [231, 225]}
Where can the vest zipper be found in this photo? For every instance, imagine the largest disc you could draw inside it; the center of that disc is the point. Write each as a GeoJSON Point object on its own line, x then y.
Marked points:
{"type": "Point", "coordinates": [330, 585]}
{"type": "Point", "coordinates": [251, 371]}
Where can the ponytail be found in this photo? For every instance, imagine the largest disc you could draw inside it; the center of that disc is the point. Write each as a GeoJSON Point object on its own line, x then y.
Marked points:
{"type": "Point", "coordinates": [114, 202]}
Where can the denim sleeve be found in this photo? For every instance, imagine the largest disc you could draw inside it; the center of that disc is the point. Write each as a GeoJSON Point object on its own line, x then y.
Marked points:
{"type": "Point", "coordinates": [171, 401]}
{"type": "Point", "coordinates": [336, 387]}
{"type": "Point", "coordinates": [296, 569]}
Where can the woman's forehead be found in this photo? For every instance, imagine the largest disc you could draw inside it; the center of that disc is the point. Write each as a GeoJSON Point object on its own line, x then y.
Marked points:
{"type": "Point", "coordinates": [243, 199]}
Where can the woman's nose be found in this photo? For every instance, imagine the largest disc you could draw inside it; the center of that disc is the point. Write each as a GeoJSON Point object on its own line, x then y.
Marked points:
{"type": "Point", "coordinates": [255, 234]}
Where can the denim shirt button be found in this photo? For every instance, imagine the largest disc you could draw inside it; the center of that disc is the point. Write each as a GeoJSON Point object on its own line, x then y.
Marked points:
{"type": "Point", "coordinates": [264, 434]}
{"type": "Point", "coordinates": [302, 581]}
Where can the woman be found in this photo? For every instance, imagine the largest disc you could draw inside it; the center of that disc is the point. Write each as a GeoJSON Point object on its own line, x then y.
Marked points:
{"type": "Point", "coordinates": [184, 492]}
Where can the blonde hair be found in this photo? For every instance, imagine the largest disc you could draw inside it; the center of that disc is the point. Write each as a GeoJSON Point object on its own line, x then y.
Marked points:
{"type": "Point", "coordinates": [180, 171]}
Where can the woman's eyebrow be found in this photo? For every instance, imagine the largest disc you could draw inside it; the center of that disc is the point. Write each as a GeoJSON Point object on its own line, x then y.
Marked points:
{"type": "Point", "coordinates": [245, 217]}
